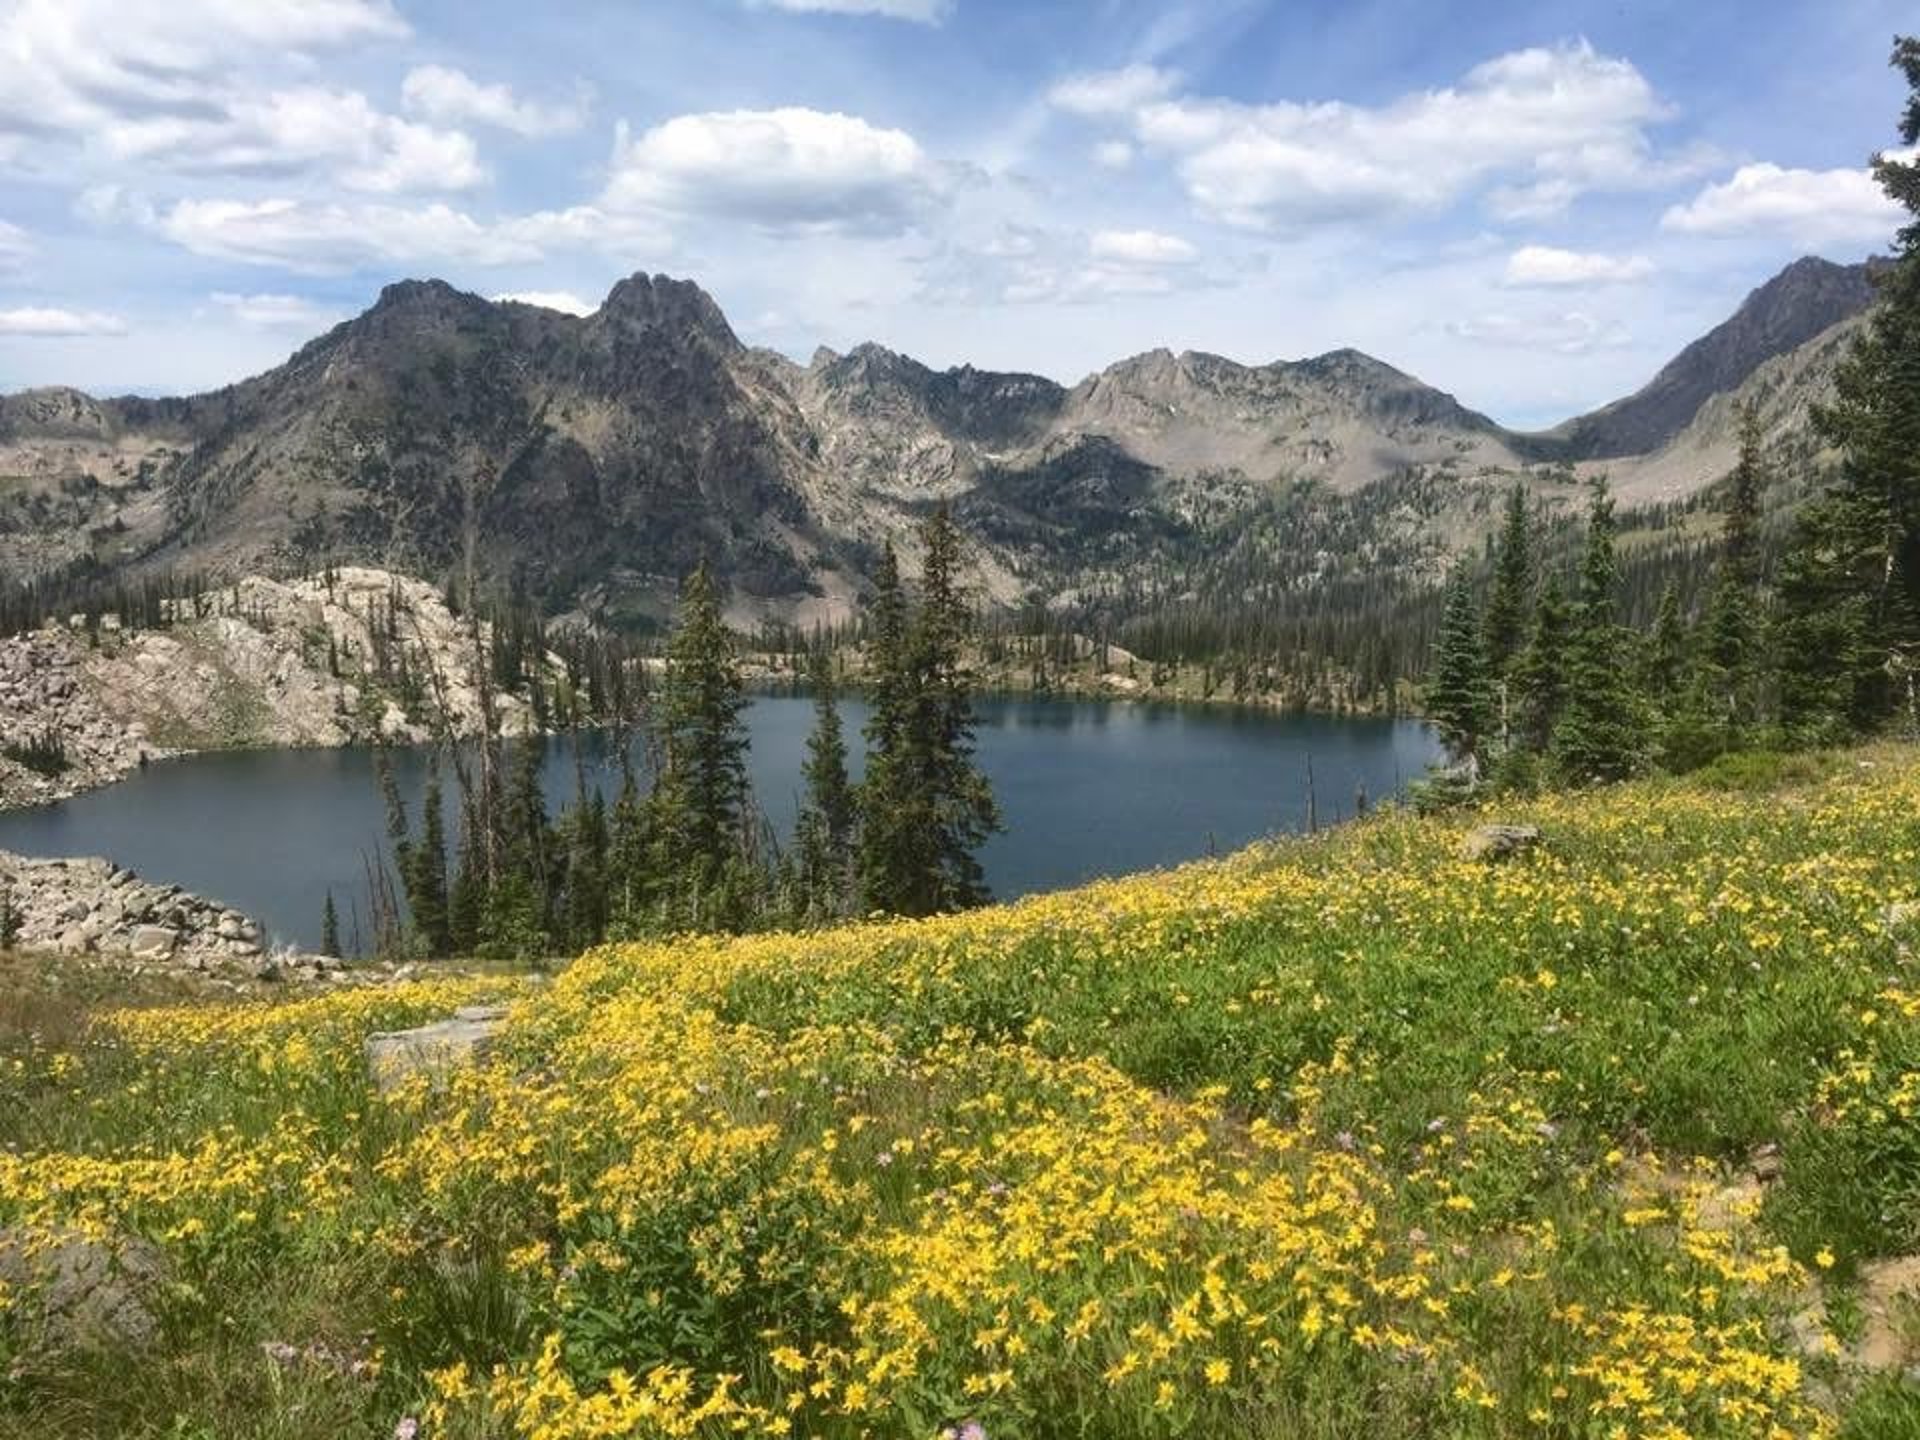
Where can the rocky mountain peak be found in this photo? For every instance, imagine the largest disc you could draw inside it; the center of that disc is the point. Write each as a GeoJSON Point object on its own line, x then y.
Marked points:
{"type": "Point", "coordinates": [1807, 297]}
{"type": "Point", "coordinates": [676, 309]}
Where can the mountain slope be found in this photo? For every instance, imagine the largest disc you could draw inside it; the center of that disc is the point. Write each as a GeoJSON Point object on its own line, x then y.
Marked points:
{"type": "Point", "coordinates": [591, 461]}
{"type": "Point", "coordinates": [1803, 301]}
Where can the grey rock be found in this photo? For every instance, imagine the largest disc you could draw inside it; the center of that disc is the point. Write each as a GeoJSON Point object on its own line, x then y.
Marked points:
{"type": "Point", "coordinates": [85, 1292]}
{"type": "Point", "coordinates": [432, 1050]}
{"type": "Point", "coordinates": [1498, 842]}
{"type": "Point", "coordinates": [153, 940]}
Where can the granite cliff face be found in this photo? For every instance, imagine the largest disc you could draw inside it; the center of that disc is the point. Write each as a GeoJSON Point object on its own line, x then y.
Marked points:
{"type": "Point", "coordinates": [591, 461]}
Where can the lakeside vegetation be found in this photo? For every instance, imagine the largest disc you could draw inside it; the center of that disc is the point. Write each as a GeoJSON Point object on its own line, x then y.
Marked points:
{"type": "Point", "coordinates": [1348, 1137]}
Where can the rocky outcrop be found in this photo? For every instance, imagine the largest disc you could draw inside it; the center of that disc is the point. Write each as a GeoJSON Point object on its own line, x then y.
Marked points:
{"type": "Point", "coordinates": [1498, 842]}
{"type": "Point", "coordinates": [94, 907]}
{"type": "Point", "coordinates": [258, 663]}
{"type": "Point", "coordinates": [45, 692]}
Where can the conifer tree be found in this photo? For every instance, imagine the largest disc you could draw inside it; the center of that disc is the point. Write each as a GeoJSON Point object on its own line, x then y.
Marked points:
{"type": "Point", "coordinates": [825, 832]}
{"type": "Point", "coordinates": [1509, 603]}
{"type": "Point", "coordinates": [1540, 675]}
{"type": "Point", "coordinates": [1664, 672]}
{"type": "Point", "coordinates": [963, 809]}
{"type": "Point", "coordinates": [701, 792]}
{"type": "Point", "coordinates": [426, 875]}
{"type": "Point", "coordinates": [1849, 593]}
{"type": "Point", "coordinates": [1459, 700]}
{"type": "Point", "coordinates": [1601, 734]}
{"type": "Point", "coordinates": [925, 806]}
{"type": "Point", "coordinates": [330, 929]}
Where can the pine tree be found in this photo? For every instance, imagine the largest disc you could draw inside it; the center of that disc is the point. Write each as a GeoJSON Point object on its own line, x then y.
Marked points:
{"type": "Point", "coordinates": [1508, 605]}
{"type": "Point", "coordinates": [1459, 701]}
{"type": "Point", "coordinates": [1664, 671]}
{"type": "Point", "coordinates": [1601, 734]}
{"type": "Point", "coordinates": [1852, 582]}
{"type": "Point", "coordinates": [330, 929]}
{"type": "Point", "coordinates": [825, 832]}
{"type": "Point", "coordinates": [891, 834]}
{"type": "Point", "coordinates": [701, 794]}
{"type": "Point", "coordinates": [1540, 675]}
{"type": "Point", "coordinates": [426, 873]}
{"type": "Point", "coordinates": [960, 798]}
{"type": "Point", "coordinates": [925, 806]}
{"type": "Point", "coordinates": [467, 899]}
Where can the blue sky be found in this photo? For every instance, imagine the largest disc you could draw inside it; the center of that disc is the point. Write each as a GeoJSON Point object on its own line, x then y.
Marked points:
{"type": "Point", "coordinates": [1531, 206]}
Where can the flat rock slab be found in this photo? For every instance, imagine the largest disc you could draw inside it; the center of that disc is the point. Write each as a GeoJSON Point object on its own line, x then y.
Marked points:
{"type": "Point", "coordinates": [1498, 842]}
{"type": "Point", "coordinates": [394, 1056]}
{"type": "Point", "coordinates": [85, 1292]}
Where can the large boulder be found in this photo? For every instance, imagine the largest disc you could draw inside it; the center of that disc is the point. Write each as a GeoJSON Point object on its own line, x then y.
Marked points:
{"type": "Point", "coordinates": [394, 1056]}
{"type": "Point", "coordinates": [1499, 842]}
{"type": "Point", "coordinates": [84, 1292]}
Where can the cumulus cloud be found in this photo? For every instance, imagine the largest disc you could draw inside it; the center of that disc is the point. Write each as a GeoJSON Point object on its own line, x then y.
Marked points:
{"type": "Point", "coordinates": [1533, 130]}
{"type": "Point", "coordinates": [565, 301]}
{"type": "Point", "coordinates": [1030, 265]}
{"type": "Point", "coordinates": [38, 322]}
{"type": "Point", "coordinates": [187, 87]}
{"type": "Point", "coordinates": [16, 246]}
{"type": "Point", "coordinates": [1572, 332]}
{"type": "Point", "coordinates": [924, 12]}
{"type": "Point", "coordinates": [1111, 92]}
{"type": "Point", "coordinates": [785, 170]}
{"type": "Point", "coordinates": [274, 312]}
{"type": "Point", "coordinates": [1810, 207]}
{"type": "Point", "coordinates": [1141, 247]}
{"type": "Point", "coordinates": [294, 130]}
{"type": "Point", "coordinates": [1113, 154]}
{"type": "Point", "coordinates": [1545, 266]}
{"type": "Point", "coordinates": [329, 237]}
{"type": "Point", "coordinates": [453, 97]}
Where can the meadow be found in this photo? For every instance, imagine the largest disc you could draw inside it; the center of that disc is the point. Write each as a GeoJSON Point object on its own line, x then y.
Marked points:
{"type": "Point", "coordinates": [1343, 1137]}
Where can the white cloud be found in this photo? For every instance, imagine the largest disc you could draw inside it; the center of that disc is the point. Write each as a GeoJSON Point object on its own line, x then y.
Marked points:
{"type": "Point", "coordinates": [340, 132]}
{"type": "Point", "coordinates": [452, 97]}
{"type": "Point", "coordinates": [1543, 265]}
{"type": "Point", "coordinates": [1113, 154]}
{"type": "Point", "coordinates": [274, 312]}
{"type": "Point", "coordinates": [924, 12]}
{"type": "Point", "coordinates": [1141, 247]}
{"type": "Point", "coordinates": [329, 237]}
{"type": "Point", "coordinates": [1111, 92]}
{"type": "Point", "coordinates": [565, 301]}
{"type": "Point", "coordinates": [784, 170]}
{"type": "Point", "coordinates": [67, 65]}
{"type": "Point", "coordinates": [189, 86]}
{"type": "Point", "coordinates": [1572, 332]}
{"type": "Point", "coordinates": [1811, 207]}
{"type": "Point", "coordinates": [43, 323]}
{"type": "Point", "coordinates": [1535, 129]}
{"type": "Point", "coordinates": [16, 247]}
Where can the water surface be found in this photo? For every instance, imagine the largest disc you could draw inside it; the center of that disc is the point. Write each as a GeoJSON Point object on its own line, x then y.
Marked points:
{"type": "Point", "coordinates": [1087, 788]}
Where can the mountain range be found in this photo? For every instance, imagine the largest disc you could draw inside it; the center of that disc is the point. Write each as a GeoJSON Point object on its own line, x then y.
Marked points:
{"type": "Point", "coordinates": [589, 462]}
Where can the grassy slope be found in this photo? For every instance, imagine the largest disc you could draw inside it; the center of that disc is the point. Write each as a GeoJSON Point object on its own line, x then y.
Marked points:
{"type": "Point", "coordinates": [1347, 1138]}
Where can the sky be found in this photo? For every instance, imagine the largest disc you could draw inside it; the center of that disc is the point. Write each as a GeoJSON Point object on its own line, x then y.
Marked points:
{"type": "Point", "coordinates": [1531, 206]}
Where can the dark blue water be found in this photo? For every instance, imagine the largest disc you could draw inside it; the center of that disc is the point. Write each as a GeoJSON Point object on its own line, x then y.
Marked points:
{"type": "Point", "coordinates": [1086, 788]}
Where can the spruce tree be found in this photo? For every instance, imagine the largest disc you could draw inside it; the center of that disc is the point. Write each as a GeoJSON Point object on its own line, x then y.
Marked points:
{"type": "Point", "coordinates": [891, 835]}
{"type": "Point", "coordinates": [1601, 735]}
{"type": "Point", "coordinates": [925, 806]}
{"type": "Point", "coordinates": [1540, 675]}
{"type": "Point", "coordinates": [963, 809]}
{"type": "Point", "coordinates": [701, 793]}
{"type": "Point", "coordinates": [1852, 583]}
{"type": "Point", "coordinates": [1459, 700]}
{"type": "Point", "coordinates": [426, 876]}
{"type": "Point", "coordinates": [1508, 604]}
{"type": "Point", "coordinates": [330, 929]}
{"type": "Point", "coordinates": [1664, 664]}
{"type": "Point", "coordinates": [824, 834]}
